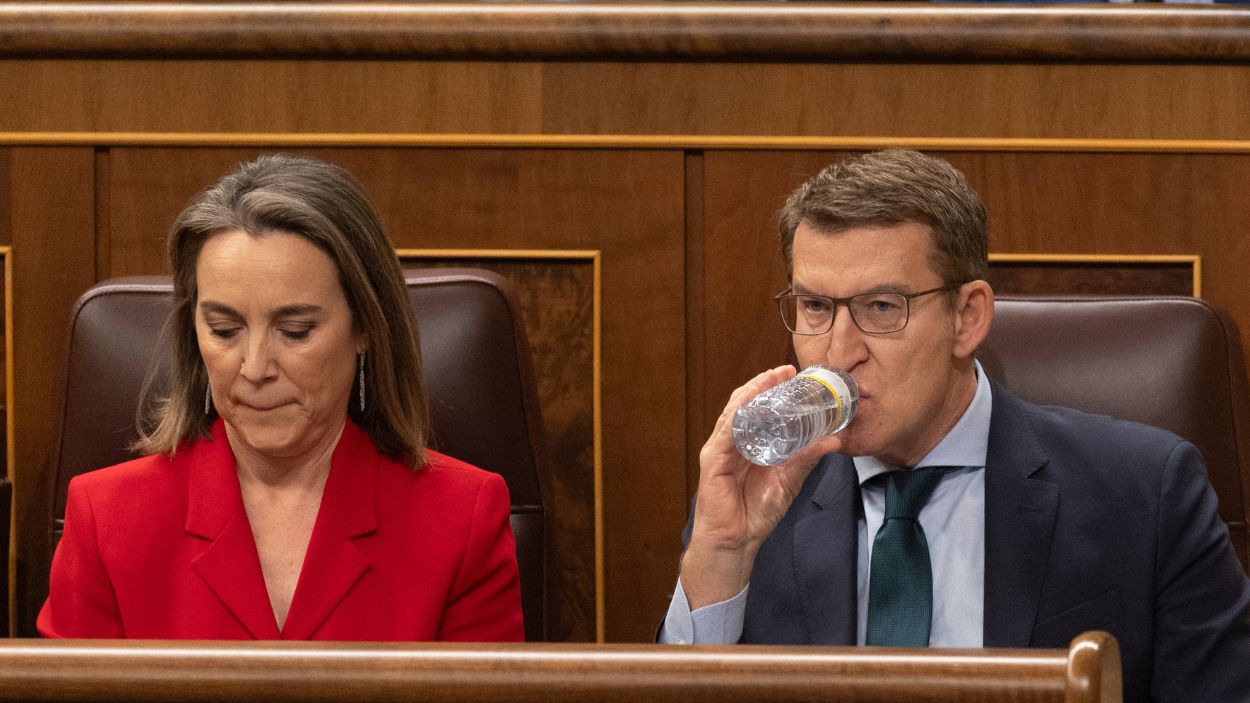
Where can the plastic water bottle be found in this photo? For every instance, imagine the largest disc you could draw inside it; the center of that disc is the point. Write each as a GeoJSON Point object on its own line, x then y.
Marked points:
{"type": "Point", "coordinates": [774, 425]}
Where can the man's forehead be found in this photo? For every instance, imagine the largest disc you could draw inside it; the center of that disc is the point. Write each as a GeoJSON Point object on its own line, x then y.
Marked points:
{"type": "Point", "coordinates": [897, 252]}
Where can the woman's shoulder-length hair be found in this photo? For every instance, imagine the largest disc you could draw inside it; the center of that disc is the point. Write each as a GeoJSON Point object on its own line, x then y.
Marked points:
{"type": "Point", "coordinates": [327, 206]}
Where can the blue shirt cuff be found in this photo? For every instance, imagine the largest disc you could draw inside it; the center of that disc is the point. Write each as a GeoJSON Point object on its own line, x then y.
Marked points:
{"type": "Point", "coordinates": [719, 623]}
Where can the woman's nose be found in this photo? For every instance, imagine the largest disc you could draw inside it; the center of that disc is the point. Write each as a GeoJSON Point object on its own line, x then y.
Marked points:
{"type": "Point", "coordinates": [257, 361]}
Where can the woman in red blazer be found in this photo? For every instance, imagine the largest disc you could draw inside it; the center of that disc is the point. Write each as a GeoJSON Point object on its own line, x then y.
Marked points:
{"type": "Point", "coordinates": [287, 492]}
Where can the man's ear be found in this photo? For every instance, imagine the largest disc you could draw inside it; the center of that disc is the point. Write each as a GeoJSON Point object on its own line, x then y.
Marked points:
{"type": "Point", "coordinates": [973, 314]}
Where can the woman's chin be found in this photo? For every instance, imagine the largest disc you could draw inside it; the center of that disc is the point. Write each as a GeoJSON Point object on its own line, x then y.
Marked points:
{"type": "Point", "coordinates": [275, 437]}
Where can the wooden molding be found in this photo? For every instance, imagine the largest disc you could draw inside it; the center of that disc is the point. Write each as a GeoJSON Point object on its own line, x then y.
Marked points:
{"type": "Point", "coordinates": [623, 141]}
{"type": "Point", "coordinates": [679, 31]}
{"type": "Point", "coordinates": [308, 672]}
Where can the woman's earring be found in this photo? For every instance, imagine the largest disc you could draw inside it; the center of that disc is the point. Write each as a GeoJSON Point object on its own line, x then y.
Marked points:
{"type": "Point", "coordinates": [361, 362]}
{"type": "Point", "coordinates": [208, 397]}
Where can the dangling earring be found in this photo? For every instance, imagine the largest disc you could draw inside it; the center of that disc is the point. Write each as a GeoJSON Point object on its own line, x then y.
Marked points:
{"type": "Point", "coordinates": [361, 363]}
{"type": "Point", "coordinates": [208, 397]}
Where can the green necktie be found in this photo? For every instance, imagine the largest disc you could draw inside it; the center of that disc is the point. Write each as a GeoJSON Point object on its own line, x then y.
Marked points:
{"type": "Point", "coordinates": [900, 582]}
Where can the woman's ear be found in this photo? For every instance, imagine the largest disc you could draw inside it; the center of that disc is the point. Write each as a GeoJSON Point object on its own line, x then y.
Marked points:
{"type": "Point", "coordinates": [973, 314]}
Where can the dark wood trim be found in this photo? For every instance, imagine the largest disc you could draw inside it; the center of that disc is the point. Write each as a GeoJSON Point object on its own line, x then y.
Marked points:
{"type": "Point", "coordinates": [642, 31]}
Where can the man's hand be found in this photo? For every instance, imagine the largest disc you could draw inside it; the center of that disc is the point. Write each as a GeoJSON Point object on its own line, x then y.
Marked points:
{"type": "Point", "coordinates": [739, 503]}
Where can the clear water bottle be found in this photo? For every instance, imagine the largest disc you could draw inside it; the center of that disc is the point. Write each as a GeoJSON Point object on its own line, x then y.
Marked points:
{"type": "Point", "coordinates": [774, 425]}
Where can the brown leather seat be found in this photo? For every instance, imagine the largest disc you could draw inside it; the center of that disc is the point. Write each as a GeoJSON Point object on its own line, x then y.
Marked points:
{"type": "Point", "coordinates": [477, 371]}
{"type": "Point", "coordinates": [1175, 363]}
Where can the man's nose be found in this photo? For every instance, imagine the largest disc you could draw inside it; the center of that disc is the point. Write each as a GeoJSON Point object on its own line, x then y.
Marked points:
{"type": "Point", "coordinates": [844, 342]}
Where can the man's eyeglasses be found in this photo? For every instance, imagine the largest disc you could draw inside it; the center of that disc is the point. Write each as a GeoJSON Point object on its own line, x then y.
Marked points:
{"type": "Point", "coordinates": [873, 313]}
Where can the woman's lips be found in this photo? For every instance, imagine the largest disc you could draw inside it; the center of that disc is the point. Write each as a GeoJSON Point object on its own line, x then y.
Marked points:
{"type": "Point", "coordinates": [264, 407]}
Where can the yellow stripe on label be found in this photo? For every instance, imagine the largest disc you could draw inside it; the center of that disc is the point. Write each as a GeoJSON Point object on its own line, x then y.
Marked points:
{"type": "Point", "coordinates": [837, 397]}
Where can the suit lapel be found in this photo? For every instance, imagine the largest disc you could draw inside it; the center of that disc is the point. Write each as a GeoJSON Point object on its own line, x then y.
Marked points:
{"type": "Point", "coordinates": [334, 562]}
{"type": "Point", "coordinates": [229, 565]}
{"type": "Point", "coordinates": [1019, 521]}
{"type": "Point", "coordinates": [826, 547]}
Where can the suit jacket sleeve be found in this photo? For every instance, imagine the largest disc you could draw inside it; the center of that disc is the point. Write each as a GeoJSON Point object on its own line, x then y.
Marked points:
{"type": "Point", "coordinates": [485, 601]}
{"type": "Point", "coordinates": [1202, 643]}
{"type": "Point", "coordinates": [81, 602]}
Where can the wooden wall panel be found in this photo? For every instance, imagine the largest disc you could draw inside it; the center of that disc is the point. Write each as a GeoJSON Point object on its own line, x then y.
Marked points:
{"type": "Point", "coordinates": [843, 99]}
{"type": "Point", "coordinates": [1110, 277]}
{"type": "Point", "coordinates": [50, 209]}
{"type": "Point", "coordinates": [895, 99]}
{"type": "Point", "coordinates": [268, 96]}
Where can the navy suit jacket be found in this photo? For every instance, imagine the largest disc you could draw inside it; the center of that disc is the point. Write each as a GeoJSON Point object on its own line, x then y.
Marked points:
{"type": "Point", "coordinates": [1091, 524]}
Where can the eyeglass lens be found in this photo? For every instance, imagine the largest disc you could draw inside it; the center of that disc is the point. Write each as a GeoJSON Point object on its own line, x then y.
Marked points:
{"type": "Point", "coordinates": [872, 312]}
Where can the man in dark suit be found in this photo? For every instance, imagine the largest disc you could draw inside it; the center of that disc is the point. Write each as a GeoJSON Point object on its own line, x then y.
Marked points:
{"type": "Point", "coordinates": [950, 513]}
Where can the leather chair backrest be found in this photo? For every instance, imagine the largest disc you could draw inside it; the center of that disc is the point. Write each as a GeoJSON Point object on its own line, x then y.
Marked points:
{"type": "Point", "coordinates": [475, 360]}
{"type": "Point", "coordinates": [1171, 362]}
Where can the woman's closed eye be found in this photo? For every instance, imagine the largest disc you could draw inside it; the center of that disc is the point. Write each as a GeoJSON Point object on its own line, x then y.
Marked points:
{"type": "Point", "coordinates": [296, 333]}
{"type": "Point", "coordinates": [223, 332]}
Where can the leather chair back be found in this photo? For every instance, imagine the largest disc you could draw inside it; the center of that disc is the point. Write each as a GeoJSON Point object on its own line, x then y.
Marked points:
{"type": "Point", "coordinates": [475, 360]}
{"type": "Point", "coordinates": [1171, 362]}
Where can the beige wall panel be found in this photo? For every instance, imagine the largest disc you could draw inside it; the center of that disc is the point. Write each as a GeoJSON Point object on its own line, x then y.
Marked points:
{"type": "Point", "coordinates": [50, 210]}
{"type": "Point", "coordinates": [627, 204]}
{"type": "Point", "coordinates": [932, 100]}
{"type": "Point", "coordinates": [269, 96]}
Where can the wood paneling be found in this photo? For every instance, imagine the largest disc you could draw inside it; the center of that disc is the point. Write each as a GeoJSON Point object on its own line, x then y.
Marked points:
{"type": "Point", "coordinates": [887, 99]}
{"type": "Point", "coordinates": [269, 96]}
{"type": "Point", "coordinates": [685, 223]}
{"type": "Point", "coordinates": [1109, 277]}
{"type": "Point", "coordinates": [50, 209]}
{"type": "Point", "coordinates": [1166, 101]}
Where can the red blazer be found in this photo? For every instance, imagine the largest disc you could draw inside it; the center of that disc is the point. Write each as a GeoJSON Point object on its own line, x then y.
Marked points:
{"type": "Point", "coordinates": [161, 547]}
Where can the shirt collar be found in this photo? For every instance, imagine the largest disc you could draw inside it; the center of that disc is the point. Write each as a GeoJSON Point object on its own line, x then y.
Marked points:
{"type": "Point", "coordinates": [964, 445]}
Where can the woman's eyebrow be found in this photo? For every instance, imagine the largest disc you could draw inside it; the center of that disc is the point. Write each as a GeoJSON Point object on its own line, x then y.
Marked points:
{"type": "Point", "coordinates": [212, 306]}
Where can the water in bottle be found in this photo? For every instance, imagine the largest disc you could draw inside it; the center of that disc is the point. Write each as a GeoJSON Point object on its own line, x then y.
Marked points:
{"type": "Point", "coordinates": [774, 425]}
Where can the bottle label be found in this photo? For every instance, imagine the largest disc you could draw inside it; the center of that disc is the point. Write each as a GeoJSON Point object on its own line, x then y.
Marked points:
{"type": "Point", "coordinates": [829, 380]}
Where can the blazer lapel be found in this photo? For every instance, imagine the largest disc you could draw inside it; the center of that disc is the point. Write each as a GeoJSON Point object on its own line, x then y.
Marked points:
{"type": "Point", "coordinates": [1019, 521]}
{"type": "Point", "coordinates": [229, 565]}
{"type": "Point", "coordinates": [826, 549]}
{"type": "Point", "coordinates": [334, 563]}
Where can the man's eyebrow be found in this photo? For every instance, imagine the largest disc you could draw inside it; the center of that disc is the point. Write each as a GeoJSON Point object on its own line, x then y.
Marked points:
{"type": "Point", "coordinates": [888, 287]}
